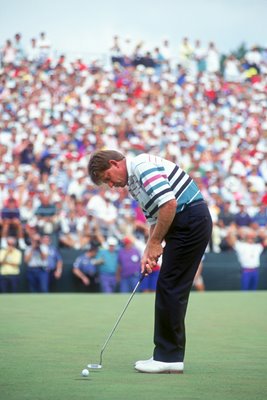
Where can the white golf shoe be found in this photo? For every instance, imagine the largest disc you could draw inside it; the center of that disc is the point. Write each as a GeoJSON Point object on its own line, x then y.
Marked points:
{"type": "Point", "coordinates": [158, 367]}
{"type": "Point", "coordinates": [144, 361]}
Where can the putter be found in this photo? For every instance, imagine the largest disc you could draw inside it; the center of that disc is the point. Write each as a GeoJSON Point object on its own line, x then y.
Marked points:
{"type": "Point", "coordinates": [99, 366]}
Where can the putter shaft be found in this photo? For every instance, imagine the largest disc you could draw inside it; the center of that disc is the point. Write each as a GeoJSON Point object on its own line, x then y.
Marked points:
{"type": "Point", "coordinates": [120, 317]}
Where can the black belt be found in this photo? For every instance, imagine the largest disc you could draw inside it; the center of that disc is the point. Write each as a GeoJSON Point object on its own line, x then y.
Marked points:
{"type": "Point", "coordinates": [195, 203]}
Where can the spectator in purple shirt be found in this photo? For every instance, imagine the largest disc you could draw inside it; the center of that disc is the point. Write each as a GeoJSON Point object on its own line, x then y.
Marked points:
{"type": "Point", "coordinates": [242, 218]}
{"type": "Point", "coordinates": [129, 265]}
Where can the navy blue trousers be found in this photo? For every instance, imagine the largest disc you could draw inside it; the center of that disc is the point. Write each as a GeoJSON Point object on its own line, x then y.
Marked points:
{"type": "Point", "coordinates": [9, 282]}
{"type": "Point", "coordinates": [186, 242]}
{"type": "Point", "coordinates": [38, 279]}
{"type": "Point", "coordinates": [250, 279]}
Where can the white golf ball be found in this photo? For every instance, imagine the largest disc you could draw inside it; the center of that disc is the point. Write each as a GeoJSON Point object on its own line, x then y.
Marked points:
{"type": "Point", "coordinates": [85, 372]}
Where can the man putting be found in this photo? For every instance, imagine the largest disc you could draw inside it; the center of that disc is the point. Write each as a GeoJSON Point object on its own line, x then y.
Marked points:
{"type": "Point", "coordinates": [179, 217]}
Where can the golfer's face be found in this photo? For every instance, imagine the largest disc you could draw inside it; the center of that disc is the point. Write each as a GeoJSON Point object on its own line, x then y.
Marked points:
{"type": "Point", "coordinates": [116, 175]}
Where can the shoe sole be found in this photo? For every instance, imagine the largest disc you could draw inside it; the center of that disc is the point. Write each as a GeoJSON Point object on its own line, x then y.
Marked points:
{"type": "Point", "coordinates": [161, 372]}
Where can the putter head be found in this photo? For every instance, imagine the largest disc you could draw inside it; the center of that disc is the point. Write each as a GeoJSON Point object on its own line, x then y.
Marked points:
{"type": "Point", "coordinates": [94, 366]}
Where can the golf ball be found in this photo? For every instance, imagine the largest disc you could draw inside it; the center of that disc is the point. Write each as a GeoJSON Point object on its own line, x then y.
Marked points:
{"type": "Point", "coordinates": [85, 372]}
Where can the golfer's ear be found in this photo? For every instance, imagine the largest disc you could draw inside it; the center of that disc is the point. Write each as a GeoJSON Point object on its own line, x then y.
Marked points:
{"type": "Point", "coordinates": [113, 163]}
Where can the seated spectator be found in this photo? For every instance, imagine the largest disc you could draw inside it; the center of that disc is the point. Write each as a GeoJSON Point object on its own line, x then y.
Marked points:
{"type": "Point", "coordinates": [85, 269]}
{"type": "Point", "coordinates": [242, 218]}
{"type": "Point", "coordinates": [74, 230]}
{"type": "Point", "coordinates": [255, 179]}
{"type": "Point", "coordinates": [102, 206]}
{"type": "Point", "coordinates": [46, 216]}
{"type": "Point", "coordinates": [125, 221]}
{"type": "Point", "coordinates": [10, 261]}
{"type": "Point", "coordinates": [77, 186]}
{"type": "Point", "coordinates": [25, 151]}
{"type": "Point", "coordinates": [46, 208]}
{"type": "Point", "coordinates": [11, 221]}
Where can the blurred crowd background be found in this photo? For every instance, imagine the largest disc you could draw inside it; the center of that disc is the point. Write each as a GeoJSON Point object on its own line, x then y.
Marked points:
{"type": "Point", "coordinates": [205, 110]}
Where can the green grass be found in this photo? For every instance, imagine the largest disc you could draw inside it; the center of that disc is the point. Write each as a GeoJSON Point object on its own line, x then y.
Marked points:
{"type": "Point", "coordinates": [46, 340]}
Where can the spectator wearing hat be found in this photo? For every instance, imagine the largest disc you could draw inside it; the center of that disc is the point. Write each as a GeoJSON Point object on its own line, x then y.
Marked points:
{"type": "Point", "coordinates": [85, 267]}
{"type": "Point", "coordinates": [129, 259]}
{"type": "Point", "coordinates": [10, 261]}
{"type": "Point", "coordinates": [102, 206]}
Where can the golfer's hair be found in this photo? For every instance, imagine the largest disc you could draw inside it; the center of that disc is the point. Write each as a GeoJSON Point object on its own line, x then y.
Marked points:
{"type": "Point", "coordinates": [99, 163]}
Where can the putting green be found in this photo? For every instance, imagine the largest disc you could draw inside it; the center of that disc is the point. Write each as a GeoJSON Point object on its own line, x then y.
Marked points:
{"type": "Point", "coordinates": [46, 341]}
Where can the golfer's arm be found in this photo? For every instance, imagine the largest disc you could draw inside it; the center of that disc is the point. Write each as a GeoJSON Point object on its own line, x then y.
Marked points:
{"type": "Point", "coordinates": [165, 217]}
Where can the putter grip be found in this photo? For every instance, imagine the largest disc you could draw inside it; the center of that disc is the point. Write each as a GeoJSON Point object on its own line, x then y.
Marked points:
{"type": "Point", "coordinates": [143, 275]}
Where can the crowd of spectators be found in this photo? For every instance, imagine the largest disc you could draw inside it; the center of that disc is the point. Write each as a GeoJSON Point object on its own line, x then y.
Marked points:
{"type": "Point", "coordinates": [206, 112]}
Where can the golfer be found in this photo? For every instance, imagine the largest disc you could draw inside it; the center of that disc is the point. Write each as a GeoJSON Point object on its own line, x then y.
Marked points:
{"type": "Point", "coordinates": [179, 217]}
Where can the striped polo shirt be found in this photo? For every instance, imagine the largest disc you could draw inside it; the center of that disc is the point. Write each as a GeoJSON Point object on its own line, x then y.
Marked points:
{"type": "Point", "coordinates": [153, 181]}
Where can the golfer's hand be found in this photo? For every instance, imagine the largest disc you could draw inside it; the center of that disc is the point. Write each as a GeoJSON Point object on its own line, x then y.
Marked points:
{"type": "Point", "coordinates": [150, 258]}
